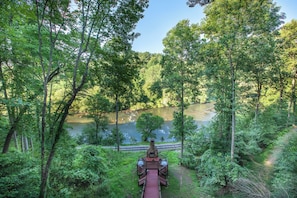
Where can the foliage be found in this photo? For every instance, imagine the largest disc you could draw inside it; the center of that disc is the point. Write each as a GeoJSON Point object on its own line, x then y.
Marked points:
{"type": "Point", "coordinates": [116, 72]}
{"type": "Point", "coordinates": [111, 138]}
{"type": "Point", "coordinates": [232, 28]}
{"type": "Point", "coordinates": [192, 3]}
{"type": "Point", "coordinates": [189, 126]}
{"type": "Point", "coordinates": [196, 144]}
{"type": "Point", "coordinates": [217, 169]}
{"type": "Point", "coordinates": [82, 174]}
{"type": "Point", "coordinates": [68, 42]}
{"type": "Point", "coordinates": [51, 53]}
{"type": "Point", "coordinates": [181, 66]}
{"type": "Point", "coordinates": [147, 123]}
{"type": "Point", "coordinates": [19, 175]}
{"type": "Point", "coordinates": [181, 70]}
{"type": "Point", "coordinates": [151, 92]}
{"type": "Point", "coordinates": [288, 55]}
{"type": "Point", "coordinates": [285, 170]}
{"type": "Point", "coordinates": [90, 135]}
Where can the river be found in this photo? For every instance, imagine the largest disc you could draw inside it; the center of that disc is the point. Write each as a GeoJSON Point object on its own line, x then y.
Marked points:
{"type": "Point", "coordinates": [202, 114]}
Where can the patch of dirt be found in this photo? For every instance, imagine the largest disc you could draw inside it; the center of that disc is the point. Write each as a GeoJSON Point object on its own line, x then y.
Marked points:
{"type": "Point", "coordinates": [182, 174]}
{"type": "Point", "coordinates": [182, 184]}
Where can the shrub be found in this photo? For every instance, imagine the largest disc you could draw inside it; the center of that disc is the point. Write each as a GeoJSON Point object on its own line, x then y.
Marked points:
{"type": "Point", "coordinates": [285, 170]}
{"type": "Point", "coordinates": [217, 169]}
{"type": "Point", "coordinates": [19, 175]}
{"type": "Point", "coordinates": [82, 174]}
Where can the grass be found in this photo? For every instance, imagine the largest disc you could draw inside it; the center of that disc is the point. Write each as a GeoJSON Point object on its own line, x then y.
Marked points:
{"type": "Point", "coordinates": [122, 178]}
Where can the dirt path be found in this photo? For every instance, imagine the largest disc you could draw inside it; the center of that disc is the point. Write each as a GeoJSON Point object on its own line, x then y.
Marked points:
{"type": "Point", "coordinates": [277, 150]}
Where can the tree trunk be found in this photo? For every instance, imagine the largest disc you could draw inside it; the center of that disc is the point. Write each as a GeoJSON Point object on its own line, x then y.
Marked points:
{"type": "Point", "coordinates": [23, 143]}
{"type": "Point", "coordinates": [31, 144]}
{"type": "Point", "coordinates": [96, 131]}
{"type": "Point", "coordinates": [8, 138]}
{"type": "Point", "coordinates": [13, 119]}
{"type": "Point", "coordinates": [292, 104]}
{"type": "Point", "coordinates": [233, 81]}
{"type": "Point", "coordinates": [26, 143]}
{"type": "Point", "coordinates": [182, 124]}
{"type": "Point", "coordinates": [117, 120]}
{"type": "Point", "coordinates": [281, 89]}
{"type": "Point", "coordinates": [44, 173]}
{"type": "Point", "coordinates": [45, 168]}
{"type": "Point", "coordinates": [259, 90]}
{"type": "Point", "coordinates": [25, 146]}
{"type": "Point", "coordinates": [15, 137]}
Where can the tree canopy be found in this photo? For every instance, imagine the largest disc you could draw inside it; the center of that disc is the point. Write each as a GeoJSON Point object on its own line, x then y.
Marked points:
{"type": "Point", "coordinates": [147, 123]}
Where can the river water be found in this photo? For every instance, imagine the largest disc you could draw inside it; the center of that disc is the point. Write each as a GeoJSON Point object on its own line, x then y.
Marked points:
{"type": "Point", "coordinates": [202, 114]}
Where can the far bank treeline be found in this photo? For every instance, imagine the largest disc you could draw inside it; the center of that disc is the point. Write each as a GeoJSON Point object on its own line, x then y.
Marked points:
{"type": "Point", "coordinates": [58, 59]}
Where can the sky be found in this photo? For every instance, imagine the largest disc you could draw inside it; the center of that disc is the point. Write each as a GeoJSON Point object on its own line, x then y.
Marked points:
{"type": "Point", "coordinates": [163, 15]}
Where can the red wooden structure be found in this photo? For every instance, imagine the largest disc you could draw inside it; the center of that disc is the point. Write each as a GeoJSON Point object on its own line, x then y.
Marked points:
{"type": "Point", "coordinates": [152, 172]}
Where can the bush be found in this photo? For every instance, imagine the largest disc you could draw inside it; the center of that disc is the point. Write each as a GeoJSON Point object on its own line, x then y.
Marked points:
{"type": "Point", "coordinates": [195, 145]}
{"type": "Point", "coordinates": [19, 175]}
{"type": "Point", "coordinates": [285, 170]}
{"type": "Point", "coordinates": [217, 169]}
{"type": "Point", "coordinates": [82, 174]}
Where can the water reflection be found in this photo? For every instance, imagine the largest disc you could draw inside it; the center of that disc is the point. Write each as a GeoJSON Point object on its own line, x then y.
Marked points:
{"type": "Point", "coordinates": [202, 114]}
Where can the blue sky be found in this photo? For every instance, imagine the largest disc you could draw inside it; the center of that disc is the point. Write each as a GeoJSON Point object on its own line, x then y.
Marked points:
{"type": "Point", "coordinates": [162, 15]}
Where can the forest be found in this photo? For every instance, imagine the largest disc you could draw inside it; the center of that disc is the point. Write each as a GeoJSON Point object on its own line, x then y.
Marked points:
{"type": "Point", "coordinates": [61, 58]}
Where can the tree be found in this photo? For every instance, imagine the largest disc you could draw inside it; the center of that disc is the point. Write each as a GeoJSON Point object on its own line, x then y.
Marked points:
{"type": "Point", "coordinates": [115, 73]}
{"type": "Point", "coordinates": [68, 40]}
{"type": "Point", "coordinates": [181, 67]}
{"type": "Point", "coordinates": [289, 55]}
{"type": "Point", "coordinates": [229, 26]}
{"type": "Point", "coordinates": [19, 77]}
{"type": "Point", "coordinates": [113, 138]}
{"type": "Point", "coordinates": [192, 3]}
{"type": "Point", "coordinates": [147, 123]}
{"type": "Point", "coordinates": [97, 107]}
{"type": "Point", "coordinates": [189, 126]}
{"type": "Point", "coordinates": [151, 74]}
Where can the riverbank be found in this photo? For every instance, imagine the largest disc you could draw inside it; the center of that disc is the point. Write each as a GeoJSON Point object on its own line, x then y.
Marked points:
{"type": "Point", "coordinates": [202, 114]}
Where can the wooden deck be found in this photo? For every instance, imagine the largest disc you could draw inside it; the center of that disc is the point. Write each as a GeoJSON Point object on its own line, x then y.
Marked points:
{"type": "Point", "coordinates": [152, 185]}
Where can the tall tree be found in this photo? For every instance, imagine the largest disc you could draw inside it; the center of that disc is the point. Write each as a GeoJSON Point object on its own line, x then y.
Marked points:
{"type": "Point", "coordinates": [229, 26]}
{"type": "Point", "coordinates": [181, 67]}
{"type": "Point", "coordinates": [289, 55]}
{"type": "Point", "coordinates": [116, 72]}
{"type": "Point", "coordinates": [18, 75]}
{"type": "Point", "coordinates": [68, 38]}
